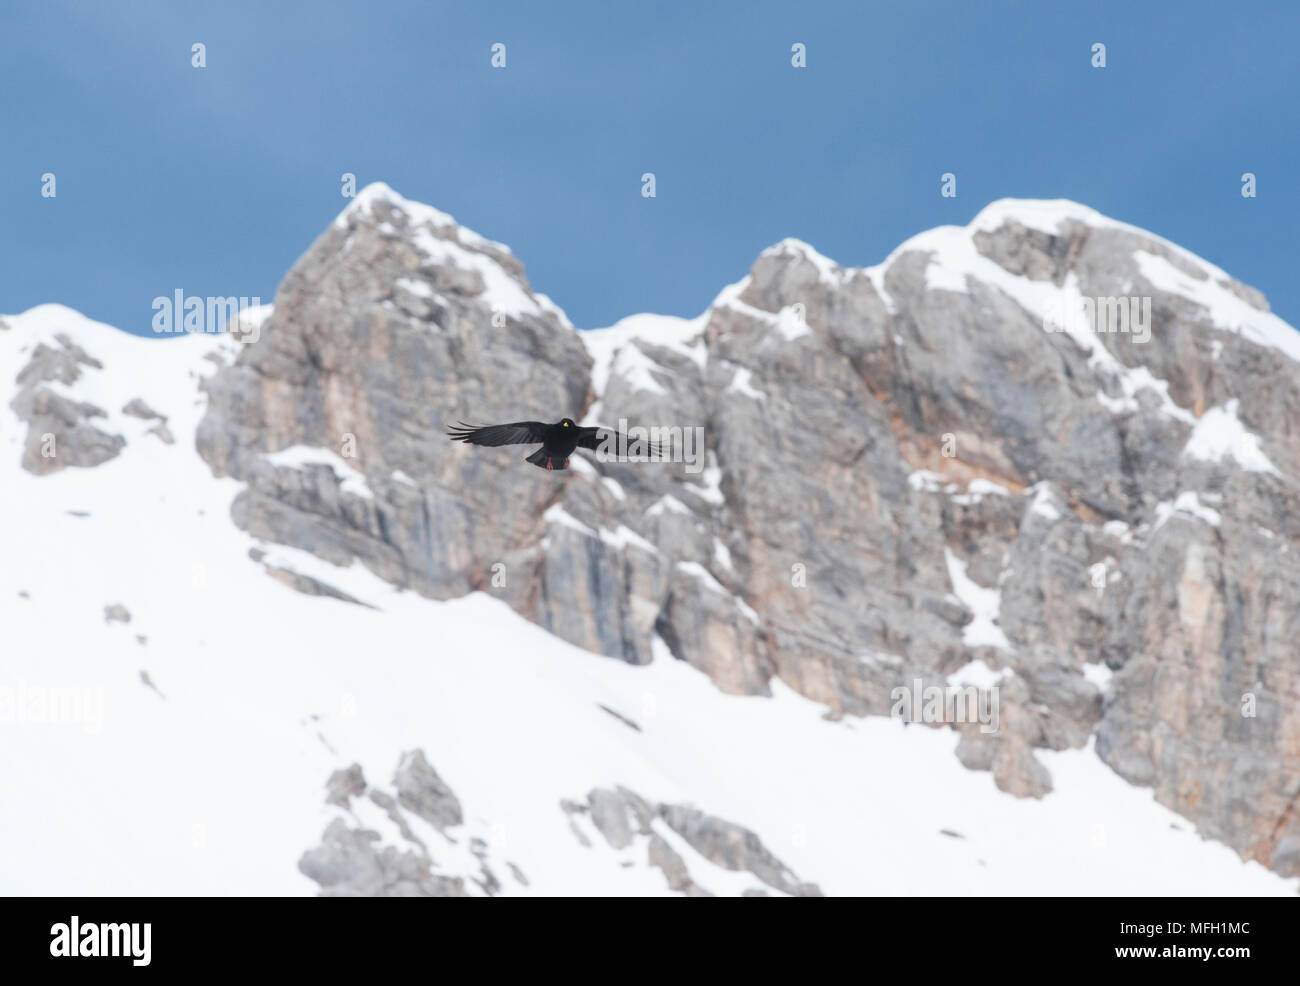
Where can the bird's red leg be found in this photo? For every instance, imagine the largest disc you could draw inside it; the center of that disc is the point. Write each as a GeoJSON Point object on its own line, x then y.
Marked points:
{"type": "Point", "coordinates": [549, 464]}
{"type": "Point", "coordinates": [566, 462]}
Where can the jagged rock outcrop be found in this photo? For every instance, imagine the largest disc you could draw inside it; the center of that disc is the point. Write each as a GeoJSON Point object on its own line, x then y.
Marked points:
{"type": "Point", "coordinates": [137, 408]}
{"type": "Point", "coordinates": [353, 859]}
{"type": "Point", "coordinates": [420, 790]}
{"type": "Point", "coordinates": [906, 472]}
{"type": "Point", "coordinates": [413, 841]}
{"type": "Point", "coordinates": [381, 334]}
{"type": "Point", "coordinates": [624, 819]}
{"type": "Point", "coordinates": [61, 430]}
{"type": "Point", "coordinates": [350, 863]}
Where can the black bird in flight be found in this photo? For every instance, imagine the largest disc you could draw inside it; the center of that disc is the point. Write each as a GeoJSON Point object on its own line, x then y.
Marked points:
{"type": "Point", "coordinates": [558, 440]}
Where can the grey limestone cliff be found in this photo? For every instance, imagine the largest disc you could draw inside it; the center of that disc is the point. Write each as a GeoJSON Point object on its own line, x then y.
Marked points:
{"type": "Point", "coordinates": [909, 476]}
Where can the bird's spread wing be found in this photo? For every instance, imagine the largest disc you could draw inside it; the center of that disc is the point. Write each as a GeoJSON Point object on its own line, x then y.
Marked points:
{"type": "Point", "coordinates": [515, 433]}
{"type": "Point", "coordinates": [613, 442]}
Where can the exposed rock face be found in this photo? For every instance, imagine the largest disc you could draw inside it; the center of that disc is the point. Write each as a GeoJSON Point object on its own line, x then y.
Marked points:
{"type": "Point", "coordinates": [414, 841]}
{"type": "Point", "coordinates": [308, 585]}
{"type": "Point", "coordinates": [349, 863]}
{"type": "Point", "coordinates": [137, 408]}
{"type": "Point", "coordinates": [353, 861]}
{"type": "Point", "coordinates": [733, 847]}
{"type": "Point", "coordinates": [420, 790]}
{"type": "Point", "coordinates": [624, 818]}
{"type": "Point", "coordinates": [382, 334]}
{"type": "Point", "coordinates": [61, 430]}
{"type": "Point", "coordinates": [906, 473]}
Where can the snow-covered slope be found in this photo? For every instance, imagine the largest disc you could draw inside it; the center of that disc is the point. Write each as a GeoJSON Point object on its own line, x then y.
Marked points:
{"type": "Point", "coordinates": [194, 757]}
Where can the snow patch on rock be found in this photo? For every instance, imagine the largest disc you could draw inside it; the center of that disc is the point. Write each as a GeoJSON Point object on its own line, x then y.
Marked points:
{"type": "Point", "coordinates": [983, 630]}
{"type": "Point", "coordinates": [1219, 435]}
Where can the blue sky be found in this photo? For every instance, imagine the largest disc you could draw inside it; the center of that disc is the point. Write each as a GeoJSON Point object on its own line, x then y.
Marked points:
{"type": "Point", "coordinates": [215, 180]}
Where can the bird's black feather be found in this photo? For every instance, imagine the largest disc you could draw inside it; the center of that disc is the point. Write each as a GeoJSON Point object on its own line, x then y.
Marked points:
{"type": "Point", "coordinates": [558, 441]}
{"type": "Point", "coordinates": [515, 433]}
{"type": "Point", "coordinates": [612, 441]}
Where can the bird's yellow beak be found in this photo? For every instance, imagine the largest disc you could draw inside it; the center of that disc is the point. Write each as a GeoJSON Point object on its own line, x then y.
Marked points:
{"type": "Point", "coordinates": [566, 424]}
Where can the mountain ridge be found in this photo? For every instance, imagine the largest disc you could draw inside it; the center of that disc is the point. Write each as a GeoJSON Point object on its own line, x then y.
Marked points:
{"type": "Point", "coordinates": [1077, 461]}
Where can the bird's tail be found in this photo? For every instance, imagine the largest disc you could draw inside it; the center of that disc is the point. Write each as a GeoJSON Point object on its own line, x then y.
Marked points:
{"type": "Point", "coordinates": [546, 461]}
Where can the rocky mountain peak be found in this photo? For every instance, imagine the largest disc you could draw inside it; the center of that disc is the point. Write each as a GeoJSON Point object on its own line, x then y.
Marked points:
{"type": "Point", "coordinates": [924, 473]}
{"type": "Point", "coordinates": [907, 473]}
